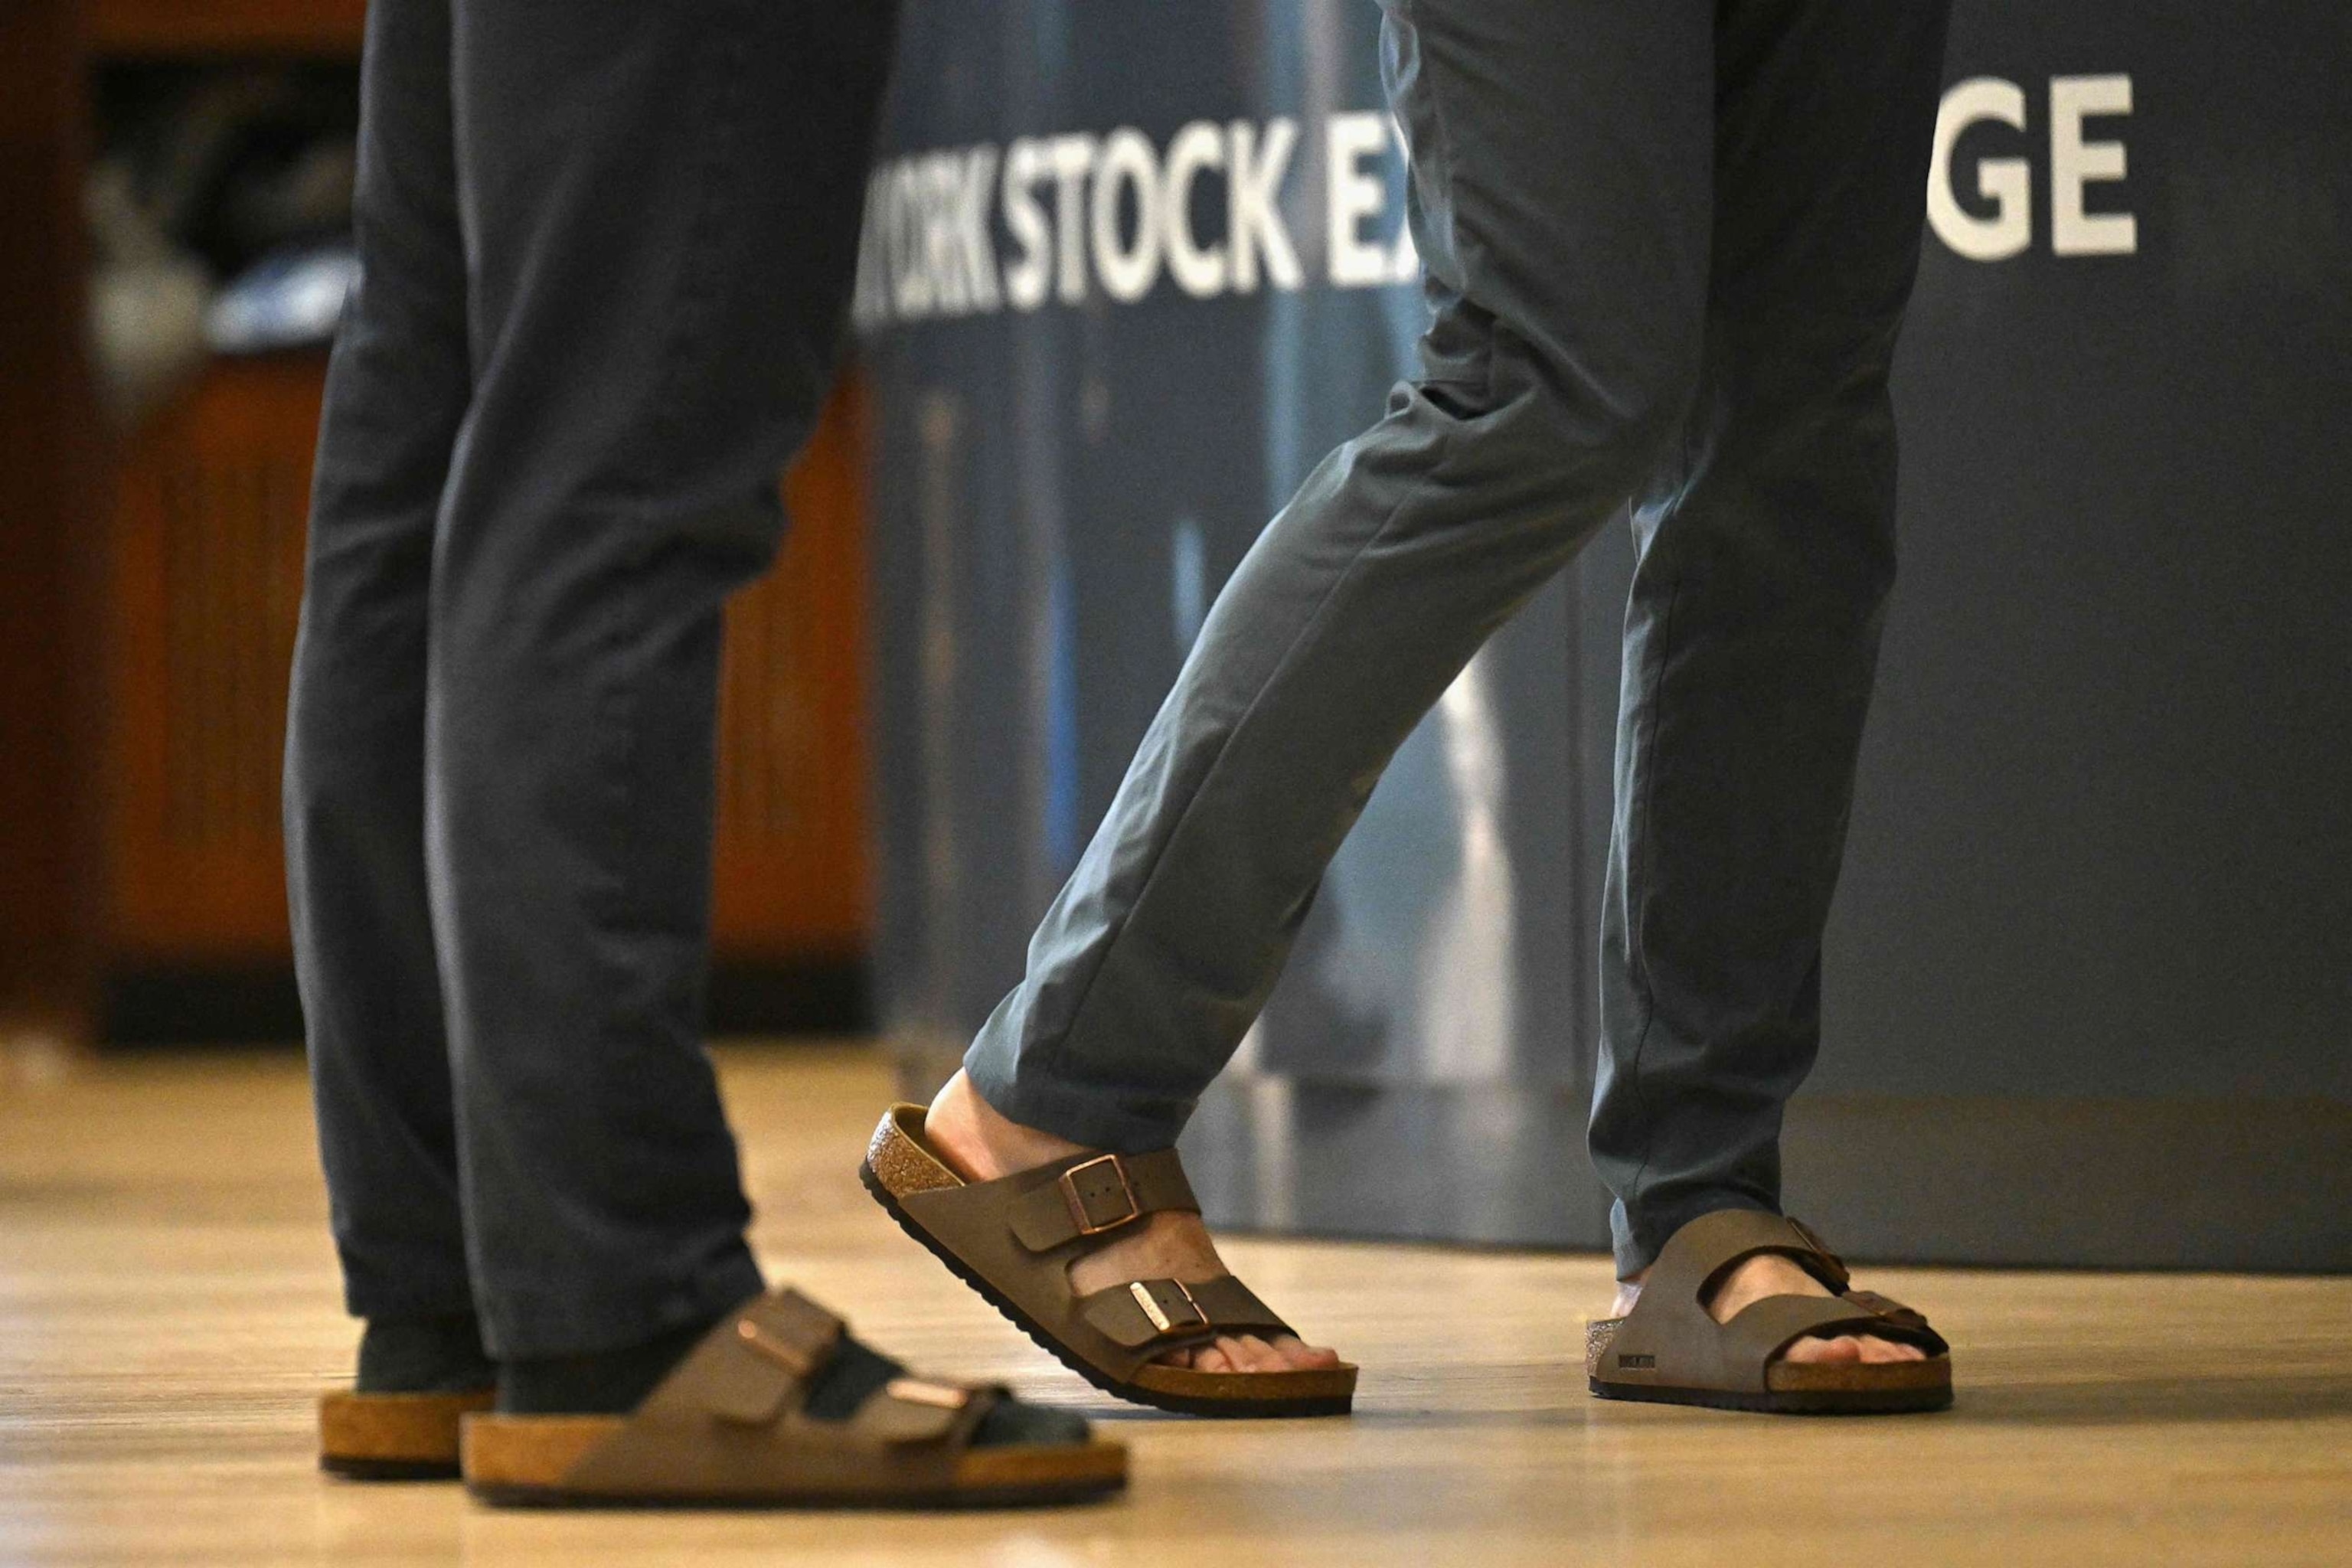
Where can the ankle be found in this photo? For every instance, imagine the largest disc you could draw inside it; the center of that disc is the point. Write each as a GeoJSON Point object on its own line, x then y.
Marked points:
{"type": "Point", "coordinates": [437, 1354]}
{"type": "Point", "coordinates": [604, 1382]}
{"type": "Point", "coordinates": [980, 1142]}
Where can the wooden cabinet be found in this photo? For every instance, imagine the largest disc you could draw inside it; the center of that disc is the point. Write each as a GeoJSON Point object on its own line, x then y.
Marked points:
{"type": "Point", "coordinates": [202, 590]}
{"type": "Point", "coordinates": [49, 485]}
{"type": "Point", "coordinates": [134, 28]}
{"type": "Point", "coordinates": [148, 610]}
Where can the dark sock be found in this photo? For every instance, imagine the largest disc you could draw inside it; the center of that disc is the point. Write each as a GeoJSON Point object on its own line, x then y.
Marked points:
{"type": "Point", "coordinates": [609, 1382]}
{"type": "Point", "coordinates": [616, 1381]}
{"type": "Point", "coordinates": [424, 1355]}
{"type": "Point", "coordinates": [858, 1370]}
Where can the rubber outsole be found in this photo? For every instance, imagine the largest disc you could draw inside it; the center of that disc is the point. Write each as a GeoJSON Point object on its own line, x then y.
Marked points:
{"type": "Point", "coordinates": [352, 1469]}
{"type": "Point", "coordinates": [1175, 1404]}
{"type": "Point", "coordinates": [1788, 1402]}
{"type": "Point", "coordinates": [918, 1502]}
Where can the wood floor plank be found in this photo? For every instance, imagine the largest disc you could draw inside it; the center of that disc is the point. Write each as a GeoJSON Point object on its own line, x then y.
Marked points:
{"type": "Point", "coordinates": [169, 1307]}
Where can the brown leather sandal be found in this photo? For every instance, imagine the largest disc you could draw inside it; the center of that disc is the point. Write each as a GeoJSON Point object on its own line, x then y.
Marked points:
{"type": "Point", "coordinates": [1012, 1241]}
{"type": "Point", "coordinates": [728, 1428]}
{"type": "Point", "coordinates": [1668, 1351]}
{"type": "Point", "coordinates": [394, 1437]}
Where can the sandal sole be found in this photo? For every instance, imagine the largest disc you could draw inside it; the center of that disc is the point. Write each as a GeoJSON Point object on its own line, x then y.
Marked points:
{"type": "Point", "coordinates": [1899, 1388]}
{"type": "Point", "coordinates": [520, 1462]}
{"type": "Point", "coordinates": [352, 1469]}
{"type": "Point", "coordinates": [394, 1437]}
{"type": "Point", "coordinates": [1785, 1402]}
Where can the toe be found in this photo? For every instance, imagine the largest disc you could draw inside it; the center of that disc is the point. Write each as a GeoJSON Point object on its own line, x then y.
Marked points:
{"type": "Point", "coordinates": [1251, 1353]}
{"type": "Point", "coordinates": [1300, 1356]}
{"type": "Point", "coordinates": [1879, 1352]}
{"type": "Point", "coordinates": [1212, 1358]}
{"type": "Point", "coordinates": [1824, 1352]}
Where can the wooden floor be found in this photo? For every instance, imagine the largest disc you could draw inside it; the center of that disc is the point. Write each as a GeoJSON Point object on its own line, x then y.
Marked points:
{"type": "Point", "coordinates": [168, 1307]}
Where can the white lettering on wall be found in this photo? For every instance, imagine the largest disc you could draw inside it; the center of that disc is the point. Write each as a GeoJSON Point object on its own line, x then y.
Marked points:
{"type": "Point", "coordinates": [1028, 280]}
{"type": "Point", "coordinates": [2075, 162]}
{"type": "Point", "coordinates": [1354, 195]}
{"type": "Point", "coordinates": [1199, 269]}
{"type": "Point", "coordinates": [972, 230]}
{"type": "Point", "coordinates": [1071, 157]}
{"type": "Point", "coordinates": [2007, 182]}
{"type": "Point", "coordinates": [1127, 272]}
{"type": "Point", "coordinates": [1253, 225]}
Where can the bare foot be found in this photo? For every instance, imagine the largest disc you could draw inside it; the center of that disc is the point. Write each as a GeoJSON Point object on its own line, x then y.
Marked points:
{"type": "Point", "coordinates": [981, 1145]}
{"type": "Point", "coordinates": [1770, 1273]}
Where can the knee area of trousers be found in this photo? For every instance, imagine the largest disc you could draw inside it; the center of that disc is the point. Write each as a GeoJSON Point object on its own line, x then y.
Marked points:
{"type": "Point", "coordinates": [1563, 448]}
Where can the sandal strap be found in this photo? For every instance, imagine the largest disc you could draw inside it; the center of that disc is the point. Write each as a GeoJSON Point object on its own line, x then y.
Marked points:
{"type": "Point", "coordinates": [1710, 1247]}
{"type": "Point", "coordinates": [759, 1365]}
{"type": "Point", "coordinates": [910, 1409]}
{"type": "Point", "coordinates": [1169, 1312]}
{"type": "Point", "coordinates": [1670, 1338]}
{"type": "Point", "coordinates": [731, 1420]}
{"type": "Point", "coordinates": [1014, 1237]}
{"type": "Point", "coordinates": [1766, 1328]}
{"type": "Point", "coordinates": [1093, 1194]}
{"type": "Point", "coordinates": [1894, 1318]}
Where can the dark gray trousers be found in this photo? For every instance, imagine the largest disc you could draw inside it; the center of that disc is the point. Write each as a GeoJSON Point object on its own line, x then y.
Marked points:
{"type": "Point", "coordinates": [606, 249]}
{"type": "Point", "coordinates": [1668, 247]}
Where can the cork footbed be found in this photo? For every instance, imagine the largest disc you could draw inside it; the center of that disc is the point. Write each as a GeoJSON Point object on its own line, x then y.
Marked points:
{"type": "Point", "coordinates": [1793, 1387]}
{"type": "Point", "coordinates": [901, 1161]}
{"type": "Point", "coordinates": [394, 1437]}
{"type": "Point", "coordinates": [525, 1460]}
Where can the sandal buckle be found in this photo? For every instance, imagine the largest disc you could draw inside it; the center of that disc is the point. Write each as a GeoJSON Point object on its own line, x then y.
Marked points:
{"type": "Point", "coordinates": [923, 1391]}
{"type": "Point", "coordinates": [1082, 1216]}
{"type": "Point", "coordinates": [795, 1359]}
{"type": "Point", "coordinates": [1159, 1313]}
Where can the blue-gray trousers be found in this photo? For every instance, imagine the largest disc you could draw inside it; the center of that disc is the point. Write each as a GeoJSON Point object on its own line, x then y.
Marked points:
{"type": "Point", "coordinates": [606, 250]}
{"type": "Point", "coordinates": [1668, 247]}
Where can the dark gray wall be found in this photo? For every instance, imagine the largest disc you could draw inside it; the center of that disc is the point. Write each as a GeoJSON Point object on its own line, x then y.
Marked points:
{"type": "Point", "coordinates": [2090, 974]}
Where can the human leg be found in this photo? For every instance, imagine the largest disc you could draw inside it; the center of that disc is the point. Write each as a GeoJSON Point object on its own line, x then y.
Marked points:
{"type": "Point", "coordinates": [398, 388]}
{"type": "Point", "coordinates": [1562, 193]}
{"type": "Point", "coordinates": [1766, 553]}
{"type": "Point", "coordinates": [660, 205]}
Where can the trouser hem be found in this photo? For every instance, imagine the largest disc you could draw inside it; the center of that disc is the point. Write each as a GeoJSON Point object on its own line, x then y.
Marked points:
{"type": "Point", "coordinates": [1035, 1098]}
{"type": "Point", "coordinates": [540, 1327]}
{"type": "Point", "coordinates": [385, 1306]}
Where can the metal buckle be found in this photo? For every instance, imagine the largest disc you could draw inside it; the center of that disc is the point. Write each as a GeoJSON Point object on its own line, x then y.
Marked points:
{"type": "Point", "coordinates": [1836, 1264]}
{"type": "Point", "coordinates": [1159, 1315]}
{"type": "Point", "coordinates": [923, 1391]}
{"type": "Point", "coordinates": [1078, 1216]}
{"type": "Point", "coordinates": [1815, 1240]}
{"type": "Point", "coordinates": [791, 1357]}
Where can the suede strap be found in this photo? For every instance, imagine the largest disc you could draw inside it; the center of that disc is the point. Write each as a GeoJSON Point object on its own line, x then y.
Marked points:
{"type": "Point", "coordinates": [1162, 1313]}
{"type": "Point", "coordinates": [1670, 1340]}
{"type": "Point", "coordinates": [730, 1420]}
{"type": "Point", "coordinates": [1090, 1195]}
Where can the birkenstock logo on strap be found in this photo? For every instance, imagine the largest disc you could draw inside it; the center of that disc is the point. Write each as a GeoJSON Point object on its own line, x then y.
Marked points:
{"type": "Point", "coordinates": [1149, 1303]}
